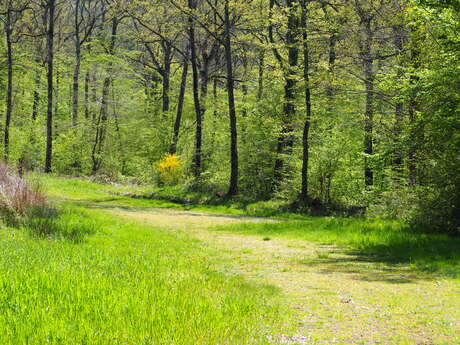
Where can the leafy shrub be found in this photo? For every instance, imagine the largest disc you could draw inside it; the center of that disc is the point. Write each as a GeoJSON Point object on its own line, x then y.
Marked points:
{"type": "Point", "coordinates": [170, 169]}
{"type": "Point", "coordinates": [17, 196]}
{"type": "Point", "coordinates": [438, 210]}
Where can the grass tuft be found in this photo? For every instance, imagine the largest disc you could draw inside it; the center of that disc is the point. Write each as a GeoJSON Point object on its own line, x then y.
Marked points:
{"type": "Point", "coordinates": [17, 196]}
{"type": "Point", "coordinates": [64, 223]}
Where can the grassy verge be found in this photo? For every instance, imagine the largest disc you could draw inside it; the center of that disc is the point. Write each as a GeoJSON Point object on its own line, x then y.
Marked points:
{"type": "Point", "coordinates": [126, 284]}
{"type": "Point", "coordinates": [83, 191]}
{"type": "Point", "coordinates": [376, 240]}
{"type": "Point", "coordinates": [88, 277]}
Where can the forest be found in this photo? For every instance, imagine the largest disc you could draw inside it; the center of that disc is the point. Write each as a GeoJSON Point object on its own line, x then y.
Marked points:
{"type": "Point", "coordinates": [229, 172]}
{"type": "Point", "coordinates": [317, 106]}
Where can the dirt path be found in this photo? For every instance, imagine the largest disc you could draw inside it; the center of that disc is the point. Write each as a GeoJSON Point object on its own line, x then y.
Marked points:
{"type": "Point", "coordinates": [338, 298]}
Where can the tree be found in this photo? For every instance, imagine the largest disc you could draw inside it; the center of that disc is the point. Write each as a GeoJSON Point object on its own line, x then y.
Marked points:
{"type": "Point", "coordinates": [86, 15]}
{"type": "Point", "coordinates": [11, 16]}
{"type": "Point", "coordinates": [50, 8]}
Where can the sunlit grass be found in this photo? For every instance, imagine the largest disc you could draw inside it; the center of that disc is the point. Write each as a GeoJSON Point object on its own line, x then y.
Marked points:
{"type": "Point", "coordinates": [82, 191]}
{"type": "Point", "coordinates": [124, 284]}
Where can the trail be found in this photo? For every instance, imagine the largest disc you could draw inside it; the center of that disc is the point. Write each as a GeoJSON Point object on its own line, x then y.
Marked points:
{"type": "Point", "coordinates": [337, 297]}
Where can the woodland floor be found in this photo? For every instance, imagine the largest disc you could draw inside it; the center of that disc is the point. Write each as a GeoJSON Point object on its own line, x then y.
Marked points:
{"type": "Point", "coordinates": [337, 297]}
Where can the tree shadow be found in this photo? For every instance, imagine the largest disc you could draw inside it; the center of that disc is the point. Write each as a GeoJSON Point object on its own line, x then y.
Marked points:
{"type": "Point", "coordinates": [399, 261]}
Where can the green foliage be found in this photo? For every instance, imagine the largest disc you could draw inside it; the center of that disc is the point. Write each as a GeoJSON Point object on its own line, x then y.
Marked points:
{"type": "Point", "coordinates": [438, 206]}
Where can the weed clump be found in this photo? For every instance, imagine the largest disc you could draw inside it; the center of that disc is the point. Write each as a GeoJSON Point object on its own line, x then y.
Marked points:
{"type": "Point", "coordinates": [17, 197]}
{"type": "Point", "coordinates": [23, 205]}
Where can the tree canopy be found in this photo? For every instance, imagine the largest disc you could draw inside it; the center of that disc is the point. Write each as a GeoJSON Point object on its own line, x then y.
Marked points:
{"type": "Point", "coordinates": [323, 105]}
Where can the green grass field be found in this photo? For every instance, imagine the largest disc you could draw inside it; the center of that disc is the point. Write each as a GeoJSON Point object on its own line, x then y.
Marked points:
{"type": "Point", "coordinates": [115, 271]}
{"type": "Point", "coordinates": [124, 284]}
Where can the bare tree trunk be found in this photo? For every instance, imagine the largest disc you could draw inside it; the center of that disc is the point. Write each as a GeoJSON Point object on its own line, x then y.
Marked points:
{"type": "Point", "coordinates": [260, 81]}
{"type": "Point", "coordinates": [87, 82]}
{"type": "Point", "coordinates": [166, 81]}
{"type": "Point", "coordinates": [76, 73]}
{"type": "Point", "coordinates": [51, 4]}
{"type": "Point", "coordinates": [369, 111]}
{"type": "Point", "coordinates": [233, 187]}
{"type": "Point", "coordinates": [399, 108]}
{"type": "Point", "coordinates": [36, 100]}
{"type": "Point", "coordinates": [76, 86]}
{"type": "Point", "coordinates": [93, 96]}
{"type": "Point", "coordinates": [415, 130]}
{"type": "Point", "coordinates": [101, 127]}
{"type": "Point", "coordinates": [331, 63]}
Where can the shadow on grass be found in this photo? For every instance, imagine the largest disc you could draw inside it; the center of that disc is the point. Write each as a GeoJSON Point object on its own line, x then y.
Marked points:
{"type": "Point", "coordinates": [399, 260]}
{"type": "Point", "coordinates": [372, 249]}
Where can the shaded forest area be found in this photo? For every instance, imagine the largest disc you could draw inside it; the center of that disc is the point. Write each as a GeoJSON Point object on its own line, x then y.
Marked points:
{"type": "Point", "coordinates": [308, 104]}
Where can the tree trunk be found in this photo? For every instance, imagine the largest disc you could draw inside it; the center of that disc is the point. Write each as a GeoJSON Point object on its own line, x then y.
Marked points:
{"type": "Point", "coordinates": [260, 81]}
{"type": "Point", "coordinates": [368, 64]}
{"type": "Point", "coordinates": [76, 73]}
{"type": "Point", "coordinates": [87, 82]}
{"type": "Point", "coordinates": [399, 108]}
{"type": "Point", "coordinates": [196, 97]}
{"type": "Point", "coordinates": [93, 96]}
{"type": "Point", "coordinates": [166, 82]}
{"type": "Point", "coordinates": [51, 4]}
{"type": "Point", "coordinates": [286, 139]}
{"type": "Point", "coordinates": [331, 63]}
{"type": "Point", "coordinates": [76, 86]}
{"type": "Point", "coordinates": [36, 100]}
{"type": "Point", "coordinates": [9, 91]}
{"type": "Point", "coordinates": [180, 106]}
{"type": "Point", "coordinates": [233, 187]}
{"type": "Point", "coordinates": [101, 127]}
{"type": "Point", "coordinates": [415, 130]}
{"type": "Point", "coordinates": [304, 196]}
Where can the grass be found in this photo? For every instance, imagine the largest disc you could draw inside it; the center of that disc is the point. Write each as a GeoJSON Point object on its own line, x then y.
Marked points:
{"type": "Point", "coordinates": [68, 223]}
{"type": "Point", "coordinates": [127, 283]}
{"type": "Point", "coordinates": [83, 191]}
{"type": "Point", "coordinates": [380, 240]}
{"type": "Point", "coordinates": [101, 271]}
{"type": "Point", "coordinates": [376, 240]}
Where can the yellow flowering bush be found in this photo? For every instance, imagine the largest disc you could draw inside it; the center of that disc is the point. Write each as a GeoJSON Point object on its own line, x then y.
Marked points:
{"type": "Point", "coordinates": [170, 169]}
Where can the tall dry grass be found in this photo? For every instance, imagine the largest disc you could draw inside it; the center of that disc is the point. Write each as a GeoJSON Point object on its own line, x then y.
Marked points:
{"type": "Point", "coordinates": [16, 195]}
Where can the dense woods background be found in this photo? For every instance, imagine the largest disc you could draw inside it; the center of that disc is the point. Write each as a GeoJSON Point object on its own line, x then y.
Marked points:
{"type": "Point", "coordinates": [315, 105]}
